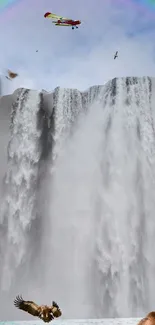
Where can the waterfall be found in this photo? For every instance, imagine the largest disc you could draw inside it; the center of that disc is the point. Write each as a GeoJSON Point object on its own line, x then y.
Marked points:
{"type": "Point", "coordinates": [19, 208]}
{"type": "Point", "coordinates": [98, 197]}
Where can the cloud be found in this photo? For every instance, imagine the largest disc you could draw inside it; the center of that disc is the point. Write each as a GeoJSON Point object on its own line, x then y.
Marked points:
{"type": "Point", "coordinates": [78, 58]}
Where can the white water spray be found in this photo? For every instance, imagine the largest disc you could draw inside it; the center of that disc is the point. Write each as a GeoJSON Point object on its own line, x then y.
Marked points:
{"type": "Point", "coordinates": [102, 209]}
{"type": "Point", "coordinates": [99, 258]}
{"type": "Point", "coordinates": [18, 210]}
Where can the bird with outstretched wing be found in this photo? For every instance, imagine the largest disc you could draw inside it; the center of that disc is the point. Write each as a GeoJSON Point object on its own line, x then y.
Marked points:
{"type": "Point", "coordinates": [44, 312]}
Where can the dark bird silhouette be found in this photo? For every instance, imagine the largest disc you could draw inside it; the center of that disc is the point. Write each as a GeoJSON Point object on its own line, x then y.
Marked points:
{"type": "Point", "coordinates": [116, 55]}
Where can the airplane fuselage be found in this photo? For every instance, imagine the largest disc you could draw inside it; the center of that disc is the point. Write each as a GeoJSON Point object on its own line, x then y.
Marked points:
{"type": "Point", "coordinates": [69, 22]}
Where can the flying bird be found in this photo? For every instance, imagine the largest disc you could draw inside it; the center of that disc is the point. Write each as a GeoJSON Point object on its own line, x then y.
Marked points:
{"type": "Point", "coordinates": [11, 75]}
{"type": "Point", "coordinates": [44, 312]}
{"type": "Point", "coordinates": [116, 55]}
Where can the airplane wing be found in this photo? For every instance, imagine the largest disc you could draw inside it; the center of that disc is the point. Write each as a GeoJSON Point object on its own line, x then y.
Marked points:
{"type": "Point", "coordinates": [54, 16]}
{"type": "Point", "coordinates": [62, 24]}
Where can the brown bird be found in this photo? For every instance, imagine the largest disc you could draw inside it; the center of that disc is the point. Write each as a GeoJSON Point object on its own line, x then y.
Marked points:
{"type": "Point", "coordinates": [44, 312]}
{"type": "Point", "coordinates": [148, 320]}
{"type": "Point", "coordinates": [12, 75]}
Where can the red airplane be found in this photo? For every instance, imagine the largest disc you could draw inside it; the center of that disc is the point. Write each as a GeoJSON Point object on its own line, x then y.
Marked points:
{"type": "Point", "coordinates": [61, 21]}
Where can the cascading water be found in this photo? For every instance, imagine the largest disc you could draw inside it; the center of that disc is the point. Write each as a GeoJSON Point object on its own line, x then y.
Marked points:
{"type": "Point", "coordinates": [124, 257]}
{"type": "Point", "coordinates": [68, 105]}
{"type": "Point", "coordinates": [102, 207]}
{"type": "Point", "coordinates": [72, 223]}
{"type": "Point", "coordinates": [19, 210]}
{"type": "Point", "coordinates": [100, 225]}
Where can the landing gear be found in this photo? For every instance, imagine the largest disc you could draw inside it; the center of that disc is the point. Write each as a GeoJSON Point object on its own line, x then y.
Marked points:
{"type": "Point", "coordinates": [72, 27]}
{"type": "Point", "coordinates": [75, 27]}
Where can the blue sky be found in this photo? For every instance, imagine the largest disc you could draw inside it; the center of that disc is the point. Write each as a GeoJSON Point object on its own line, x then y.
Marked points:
{"type": "Point", "coordinates": [76, 58]}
